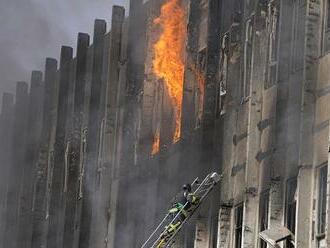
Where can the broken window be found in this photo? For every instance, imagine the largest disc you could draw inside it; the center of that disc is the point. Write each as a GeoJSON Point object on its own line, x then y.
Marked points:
{"type": "Point", "coordinates": [275, 234]}
{"type": "Point", "coordinates": [223, 72]}
{"type": "Point", "coordinates": [322, 200]}
{"type": "Point", "coordinates": [50, 170]}
{"type": "Point", "coordinates": [263, 215]}
{"type": "Point", "coordinates": [272, 29]}
{"type": "Point", "coordinates": [200, 76]}
{"type": "Point", "coordinates": [245, 89]}
{"type": "Point", "coordinates": [291, 207]}
{"type": "Point", "coordinates": [238, 226]}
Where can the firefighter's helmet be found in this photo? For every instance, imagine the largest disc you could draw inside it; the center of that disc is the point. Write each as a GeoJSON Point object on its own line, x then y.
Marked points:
{"type": "Point", "coordinates": [187, 187]}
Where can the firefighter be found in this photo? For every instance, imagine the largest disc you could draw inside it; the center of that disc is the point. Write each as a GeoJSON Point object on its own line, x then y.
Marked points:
{"type": "Point", "coordinates": [179, 212]}
{"type": "Point", "coordinates": [184, 203]}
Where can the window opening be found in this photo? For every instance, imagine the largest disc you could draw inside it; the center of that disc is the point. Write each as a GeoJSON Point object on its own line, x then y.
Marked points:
{"type": "Point", "coordinates": [291, 207]}
{"type": "Point", "coordinates": [238, 226]}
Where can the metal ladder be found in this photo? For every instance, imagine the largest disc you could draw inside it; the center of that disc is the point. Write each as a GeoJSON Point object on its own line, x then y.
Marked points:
{"type": "Point", "coordinates": [161, 238]}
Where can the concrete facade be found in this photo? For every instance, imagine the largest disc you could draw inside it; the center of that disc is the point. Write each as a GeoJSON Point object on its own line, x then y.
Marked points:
{"type": "Point", "coordinates": [79, 152]}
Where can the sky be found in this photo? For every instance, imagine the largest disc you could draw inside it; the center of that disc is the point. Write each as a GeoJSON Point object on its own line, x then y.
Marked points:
{"type": "Point", "coordinates": [31, 30]}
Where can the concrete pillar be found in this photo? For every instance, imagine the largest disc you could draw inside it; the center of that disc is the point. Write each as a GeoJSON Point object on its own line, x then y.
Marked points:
{"type": "Point", "coordinates": [31, 155]}
{"type": "Point", "coordinates": [279, 162]}
{"type": "Point", "coordinates": [54, 238]}
{"type": "Point", "coordinates": [150, 116]}
{"type": "Point", "coordinates": [71, 220]}
{"type": "Point", "coordinates": [136, 49]}
{"type": "Point", "coordinates": [208, 118]}
{"type": "Point", "coordinates": [304, 207]}
{"type": "Point", "coordinates": [270, 172]}
{"type": "Point", "coordinates": [224, 227]}
{"type": "Point", "coordinates": [135, 76]}
{"type": "Point", "coordinates": [39, 208]}
{"type": "Point", "coordinates": [202, 234]}
{"type": "Point", "coordinates": [94, 124]}
{"type": "Point", "coordinates": [110, 133]}
{"type": "Point", "coordinates": [304, 225]}
{"type": "Point", "coordinates": [17, 164]}
{"type": "Point", "coordinates": [6, 124]}
{"type": "Point", "coordinates": [252, 172]}
{"type": "Point", "coordinates": [190, 81]}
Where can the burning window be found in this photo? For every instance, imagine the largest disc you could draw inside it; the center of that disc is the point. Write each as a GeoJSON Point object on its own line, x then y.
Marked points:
{"type": "Point", "coordinates": [169, 53]}
{"type": "Point", "coordinates": [238, 226]}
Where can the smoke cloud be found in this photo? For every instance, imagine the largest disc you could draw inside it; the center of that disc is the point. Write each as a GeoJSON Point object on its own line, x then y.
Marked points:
{"type": "Point", "coordinates": [32, 30]}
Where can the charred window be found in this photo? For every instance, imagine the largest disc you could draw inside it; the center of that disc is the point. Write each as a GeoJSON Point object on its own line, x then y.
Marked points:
{"type": "Point", "coordinates": [202, 60]}
{"type": "Point", "coordinates": [322, 200]}
{"type": "Point", "coordinates": [263, 215]}
{"type": "Point", "coordinates": [200, 76]}
{"type": "Point", "coordinates": [237, 17]}
{"type": "Point", "coordinates": [238, 226]}
{"type": "Point", "coordinates": [236, 25]}
{"type": "Point", "coordinates": [247, 58]}
{"type": "Point", "coordinates": [223, 72]}
{"type": "Point", "coordinates": [291, 204]}
{"type": "Point", "coordinates": [272, 29]}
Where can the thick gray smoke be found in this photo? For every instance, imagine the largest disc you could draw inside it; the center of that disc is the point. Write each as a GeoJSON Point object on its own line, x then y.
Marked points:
{"type": "Point", "coordinates": [31, 30]}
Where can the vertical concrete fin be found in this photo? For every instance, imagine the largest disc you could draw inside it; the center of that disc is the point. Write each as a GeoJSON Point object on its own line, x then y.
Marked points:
{"type": "Point", "coordinates": [56, 215]}
{"type": "Point", "coordinates": [16, 172]}
{"type": "Point", "coordinates": [90, 178]}
{"type": "Point", "coordinates": [34, 125]}
{"type": "Point", "coordinates": [40, 198]}
{"type": "Point", "coordinates": [73, 177]}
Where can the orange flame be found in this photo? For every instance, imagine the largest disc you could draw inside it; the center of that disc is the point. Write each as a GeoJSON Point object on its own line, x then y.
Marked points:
{"type": "Point", "coordinates": [168, 62]}
{"type": "Point", "coordinates": [156, 144]}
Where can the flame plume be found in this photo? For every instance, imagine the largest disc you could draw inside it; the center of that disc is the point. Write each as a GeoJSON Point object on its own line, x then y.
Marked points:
{"type": "Point", "coordinates": [168, 62]}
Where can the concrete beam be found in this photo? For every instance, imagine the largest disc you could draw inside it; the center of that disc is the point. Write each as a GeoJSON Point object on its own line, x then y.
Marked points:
{"type": "Point", "coordinates": [17, 164]}
{"type": "Point", "coordinates": [313, 23]}
{"type": "Point", "coordinates": [110, 133]}
{"type": "Point", "coordinates": [252, 172]}
{"type": "Point", "coordinates": [93, 137]}
{"type": "Point", "coordinates": [34, 126]}
{"type": "Point", "coordinates": [41, 186]}
{"type": "Point", "coordinates": [72, 203]}
{"type": "Point", "coordinates": [6, 128]}
{"type": "Point", "coordinates": [56, 211]}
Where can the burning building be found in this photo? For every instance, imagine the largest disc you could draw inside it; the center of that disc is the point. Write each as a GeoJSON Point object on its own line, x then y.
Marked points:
{"type": "Point", "coordinates": [94, 152]}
